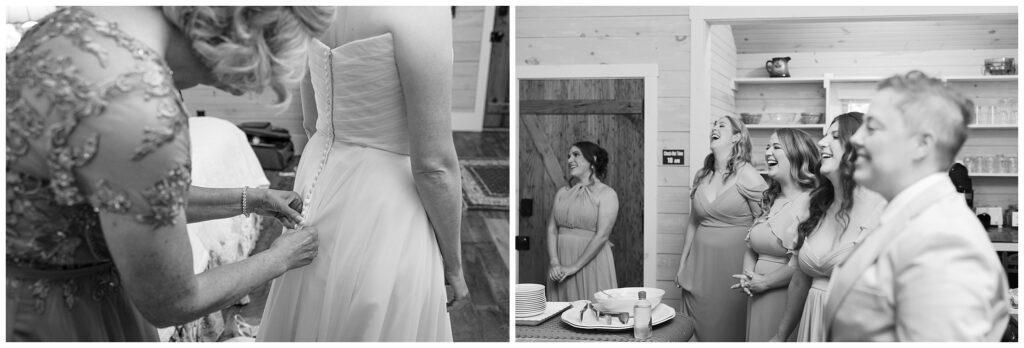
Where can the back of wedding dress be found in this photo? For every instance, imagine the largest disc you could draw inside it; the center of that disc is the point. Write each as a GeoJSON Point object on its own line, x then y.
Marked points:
{"type": "Point", "coordinates": [378, 275]}
{"type": "Point", "coordinates": [358, 93]}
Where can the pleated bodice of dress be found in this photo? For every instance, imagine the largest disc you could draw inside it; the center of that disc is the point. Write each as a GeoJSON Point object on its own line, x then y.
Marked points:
{"type": "Point", "coordinates": [773, 235]}
{"type": "Point", "coordinates": [359, 95]}
{"type": "Point", "coordinates": [828, 245]}
{"type": "Point", "coordinates": [578, 209]}
{"type": "Point", "coordinates": [729, 209]}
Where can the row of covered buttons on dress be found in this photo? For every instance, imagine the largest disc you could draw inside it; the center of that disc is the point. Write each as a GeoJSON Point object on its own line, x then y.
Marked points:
{"type": "Point", "coordinates": [328, 98]}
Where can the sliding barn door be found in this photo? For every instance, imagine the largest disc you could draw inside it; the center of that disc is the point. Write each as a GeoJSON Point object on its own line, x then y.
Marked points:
{"type": "Point", "coordinates": [554, 114]}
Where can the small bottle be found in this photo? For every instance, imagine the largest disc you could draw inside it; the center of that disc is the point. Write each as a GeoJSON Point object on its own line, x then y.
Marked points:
{"type": "Point", "coordinates": [642, 318]}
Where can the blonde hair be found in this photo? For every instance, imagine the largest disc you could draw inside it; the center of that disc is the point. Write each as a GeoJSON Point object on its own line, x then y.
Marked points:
{"type": "Point", "coordinates": [248, 48]}
{"type": "Point", "coordinates": [738, 155]}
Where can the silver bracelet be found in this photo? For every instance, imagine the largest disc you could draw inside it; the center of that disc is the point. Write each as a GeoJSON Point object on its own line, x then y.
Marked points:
{"type": "Point", "coordinates": [245, 207]}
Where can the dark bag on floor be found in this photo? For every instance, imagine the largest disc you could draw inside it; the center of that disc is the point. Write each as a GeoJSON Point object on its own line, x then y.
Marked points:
{"type": "Point", "coordinates": [272, 145]}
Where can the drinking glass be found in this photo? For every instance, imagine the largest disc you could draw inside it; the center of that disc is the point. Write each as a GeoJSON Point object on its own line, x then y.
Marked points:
{"type": "Point", "coordinates": [984, 115]}
{"type": "Point", "coordinates": [1013, 111]}
{"type": "Point", "coordinates": [968, 163]}
{"type": "Point", "coordinates": [1001, 164]}
{"type": "Point", "coordinates": [988, 164]}
{"type": "Point", "coordinates": [1002, 112]}
{"type": "Point", "coordinates": [975, 164]}
{"type": "Point", "coordinates": [1013, 164]}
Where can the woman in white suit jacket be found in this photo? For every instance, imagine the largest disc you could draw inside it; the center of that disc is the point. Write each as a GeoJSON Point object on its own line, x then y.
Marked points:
{"type": "Point", "coordinates": [929, 271]}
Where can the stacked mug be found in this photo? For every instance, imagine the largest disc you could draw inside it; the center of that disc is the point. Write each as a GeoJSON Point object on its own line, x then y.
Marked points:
{"type": "Point", "coordinates": [530, 300]}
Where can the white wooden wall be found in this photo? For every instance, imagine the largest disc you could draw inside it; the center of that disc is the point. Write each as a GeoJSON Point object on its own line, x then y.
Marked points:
{"type": "Point", "coordinates": [893, 35]}
{"type": "Point", "coordinates": [248, 108]}
{"type": "Point", "coordinates": [466, 33]}
{"type": "Point", "coordinates": [466, 27]}
{"type": "Point", "coordinates": [629, 35]}
{"type": "Point", "coordinates": [723, 66]}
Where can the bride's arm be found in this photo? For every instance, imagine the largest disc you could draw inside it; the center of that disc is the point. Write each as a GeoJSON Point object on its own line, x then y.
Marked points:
{"type": "Point", "coordinates": [423, 51]}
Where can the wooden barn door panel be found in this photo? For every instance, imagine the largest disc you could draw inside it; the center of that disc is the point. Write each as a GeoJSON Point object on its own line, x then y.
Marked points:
{"type": "Point", "coordinates": [554, 114]}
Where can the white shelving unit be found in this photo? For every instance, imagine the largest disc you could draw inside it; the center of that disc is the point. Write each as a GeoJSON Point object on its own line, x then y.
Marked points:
{"type": "Point", "coordinates": [980, 78]}
{"type": "Point", "coordinates": [828, 78]}
{"type": "Point", "coordinates": [994, 175]}
{"type": "Point", "coordinates": [774, 80]}
{"type": "Point", "coordinates": [777, 126]}
{"type": "Point", "coordinates": [856, 78]}
{"type": "Point", "coordinates": [836, 90]}
{"type": "Point", "coordinates": [992, 126]}
{"type": "Point", "coordinates": [832, 101]}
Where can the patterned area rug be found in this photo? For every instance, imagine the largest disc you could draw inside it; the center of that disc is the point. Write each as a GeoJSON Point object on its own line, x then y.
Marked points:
{"type": "Point", "coordinates": [485, 183]}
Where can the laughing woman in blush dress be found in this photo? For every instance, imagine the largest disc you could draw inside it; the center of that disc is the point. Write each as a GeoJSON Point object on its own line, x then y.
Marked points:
{"type": "Point", "coordinates": [792, 159]}
{"type": "Point", "coordinates": [578, 230]}
{"type": "Point", "coordinates": [725, 198]}
{"type": "Point", "coordinates": [381, 182]}
{"type": "Point", "coordinates": [839, 211]}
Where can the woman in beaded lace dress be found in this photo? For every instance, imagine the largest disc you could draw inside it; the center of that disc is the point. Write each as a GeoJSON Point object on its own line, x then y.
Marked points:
{"type": "Point", "coordinates": [581, 222]}
{"type": "Point", "coordinates": [98, 166]}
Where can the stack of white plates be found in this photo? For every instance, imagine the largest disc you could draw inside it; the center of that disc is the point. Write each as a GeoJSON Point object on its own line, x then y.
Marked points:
{"type": "Point", "coordinates": [530, 300]}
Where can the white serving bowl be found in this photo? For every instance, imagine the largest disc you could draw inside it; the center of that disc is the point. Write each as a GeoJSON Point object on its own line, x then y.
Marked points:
{"type": "Point", "coordinates": [623, 299]}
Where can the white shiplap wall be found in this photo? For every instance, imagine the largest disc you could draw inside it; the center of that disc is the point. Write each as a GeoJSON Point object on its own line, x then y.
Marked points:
{"type": "Point", "coordinates": [466, 27]}
{"type": "Point", "coordinates": [920, 35]}
{"type": "Point", "coordinates": [629, 35]}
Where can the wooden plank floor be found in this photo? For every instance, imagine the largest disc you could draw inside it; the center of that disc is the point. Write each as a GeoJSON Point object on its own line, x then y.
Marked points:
{"type": "Point", "coordinates": [486, 320]}
{"type": "Point", "coordinates": [485, 243]}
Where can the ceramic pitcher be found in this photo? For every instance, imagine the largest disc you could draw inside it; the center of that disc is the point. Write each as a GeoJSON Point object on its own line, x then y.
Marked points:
{"type": "Point", "coordinates": [777, 67]}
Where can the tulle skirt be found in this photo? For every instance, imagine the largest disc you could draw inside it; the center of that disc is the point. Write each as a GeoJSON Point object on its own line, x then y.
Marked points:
{"type": "Point", "coordinates": [378, 276]}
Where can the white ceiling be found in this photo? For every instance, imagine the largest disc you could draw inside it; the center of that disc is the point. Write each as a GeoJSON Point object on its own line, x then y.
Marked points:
{"type": "Point", "coordinates": [961, 34]}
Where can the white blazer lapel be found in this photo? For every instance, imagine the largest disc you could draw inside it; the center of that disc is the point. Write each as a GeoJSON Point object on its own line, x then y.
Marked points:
{"type": "Point", "coordinates": [867, 252]}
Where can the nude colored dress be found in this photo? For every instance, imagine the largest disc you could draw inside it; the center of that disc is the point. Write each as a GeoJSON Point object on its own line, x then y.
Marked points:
{"type": "Point", "coordinates": [576, 215]}
{"type": "Point", "coordinates": [825, 248]}
{"type": "Point", "coordinates": [716, 254]}
{"type": "Point", "coordinates": [773, 237]}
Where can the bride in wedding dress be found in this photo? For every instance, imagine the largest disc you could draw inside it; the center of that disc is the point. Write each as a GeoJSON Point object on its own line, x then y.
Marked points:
{"type": "Point", "coordinates": [381, 183]}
